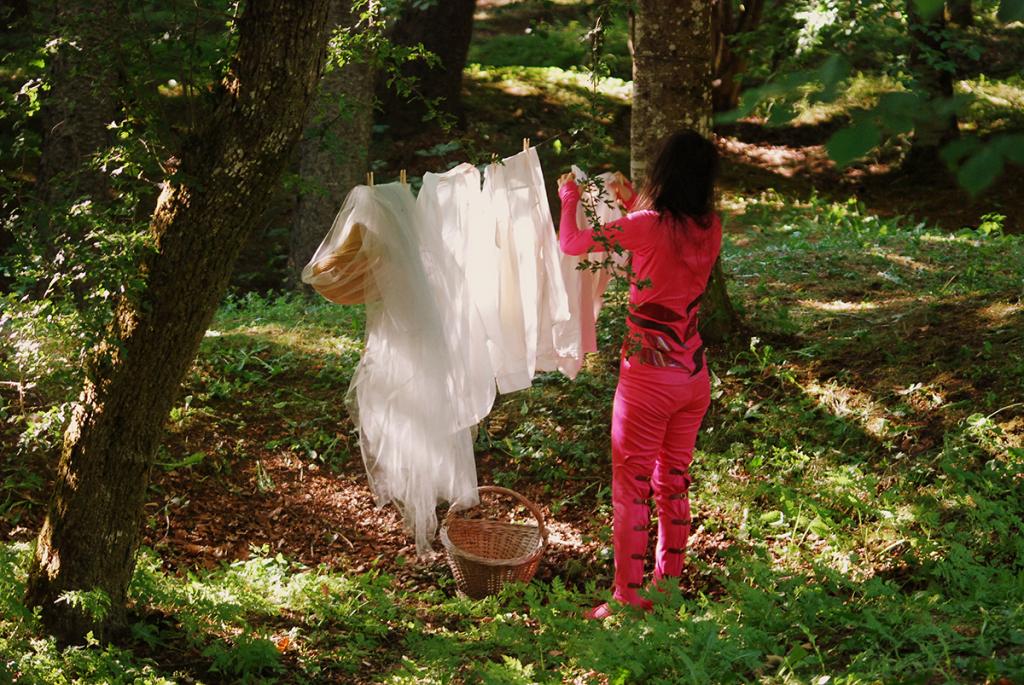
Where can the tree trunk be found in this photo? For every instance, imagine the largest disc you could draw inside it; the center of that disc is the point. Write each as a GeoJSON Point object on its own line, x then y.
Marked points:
{"type": "Point", "coordinates": [334, 151]}
{"type": "Point", "coordinates": [82, 99]}
{"type": "Point", "coordinates": [672, 90]}
{"type": "Point", "coordinates": [926, 48]}
{"type": "Point", "coordinates": [728, 64]}
{"type": "Point", "coordinates": [445, 29]}
{"type": "Point", "coordinates": [12, 12]}
{"type": "Point", "coordinates": [960, 12]}
{"type": "Point", "coordinates": [226, 175]}
{"type": "Point", "coordinates": [718, 318]}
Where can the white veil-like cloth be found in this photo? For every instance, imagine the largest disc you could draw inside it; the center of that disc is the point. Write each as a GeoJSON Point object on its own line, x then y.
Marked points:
{"type": "Point", "coordinates": [405, 394]}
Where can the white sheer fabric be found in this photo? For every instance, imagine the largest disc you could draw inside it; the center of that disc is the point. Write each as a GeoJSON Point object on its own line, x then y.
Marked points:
{"type": "Point", "coordinates": [342, 266]}
{"type": "Point", "coordinates": [451, 207]}
{"type": "Point", "coordinates": [403, 396]}
{"type": "Point", "coordinates": [537, 331]}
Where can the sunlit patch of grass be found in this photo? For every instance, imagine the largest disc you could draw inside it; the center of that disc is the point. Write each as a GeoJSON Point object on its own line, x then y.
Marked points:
{"type": "Point", "coordinates": [850, 403]}
{"type": "Point", "coordinates": [279, 364]}
{"type": "Point", "coordinates": [861, 92]}
{"type": "Point", "coordinates": [551, 44]}
{"type": "Point", "coordinates": [998, 104]}
{"type": "Point", "coordinates": [564, 86]}
{"type": "Point", "coordinates": [999, 312]}
{"type": "Point", "coordinates": [903, 260]}
{"type": "Point", "coordinates": [838, 305]}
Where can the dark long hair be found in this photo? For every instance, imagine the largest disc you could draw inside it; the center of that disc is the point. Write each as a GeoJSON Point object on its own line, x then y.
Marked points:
{"type": "Point", "coordinates": [681, 182]}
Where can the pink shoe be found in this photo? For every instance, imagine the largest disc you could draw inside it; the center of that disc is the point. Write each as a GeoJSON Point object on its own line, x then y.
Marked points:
{"type": "Point", "coordinates": [604, 610]}
{"type": "Point", "coordinates": [598, 613]}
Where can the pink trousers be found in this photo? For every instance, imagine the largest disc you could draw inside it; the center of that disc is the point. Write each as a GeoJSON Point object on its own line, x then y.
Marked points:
{"type": "Point", "coordinates": [655, 419]}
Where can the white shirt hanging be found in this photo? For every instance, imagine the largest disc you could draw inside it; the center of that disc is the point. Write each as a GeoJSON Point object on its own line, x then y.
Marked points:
{"type": "Point", "coordinates": [533, 304]}
{"type": "Point", "coordinates": [451, 206]}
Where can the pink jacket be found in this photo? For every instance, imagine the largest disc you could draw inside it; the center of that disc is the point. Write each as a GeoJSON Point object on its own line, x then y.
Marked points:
{"type": "Point", "coordinates": [671, 264]}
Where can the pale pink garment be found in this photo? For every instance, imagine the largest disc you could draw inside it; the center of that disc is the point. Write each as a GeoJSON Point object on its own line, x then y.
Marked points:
{"type": "Point", "coordinates": [589, 291]}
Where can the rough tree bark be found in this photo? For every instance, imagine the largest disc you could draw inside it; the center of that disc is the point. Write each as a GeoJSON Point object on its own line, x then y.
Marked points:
{"type": "Point", "coordinates": [672, 55]}
{"type": "Point", "coordinates": [445, 29]}
{"type": "Point", "coordinates": [334, 151]}
{"type": "Point", "coordinates": [727, 64]}
{"type": "Point", "coordinates": [926, 48]}
{"type": "Point", "coordinates": [90, 536]}
{"type": "Point", "coordinates": [82, 99]}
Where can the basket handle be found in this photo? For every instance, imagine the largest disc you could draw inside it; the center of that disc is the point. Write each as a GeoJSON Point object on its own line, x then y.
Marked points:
{"type": "Point", "coordinates": [522, 500]}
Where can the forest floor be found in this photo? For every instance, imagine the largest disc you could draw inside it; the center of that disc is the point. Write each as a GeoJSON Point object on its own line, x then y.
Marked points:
{"type": "Point", "coordinates": [858, 500]}
{"type": "Point", "coordinates": [857, 491]}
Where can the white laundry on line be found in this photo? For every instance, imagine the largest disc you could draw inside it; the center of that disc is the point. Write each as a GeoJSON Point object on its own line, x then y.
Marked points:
{"type": "Point", "coordinates": [451, 206]}
{"type": "Point", "coordinates": [537, 331]}
{"type": "Point", "coordinates": [402, 396]}
{"type": "Point", "coordinates": [466, 288]}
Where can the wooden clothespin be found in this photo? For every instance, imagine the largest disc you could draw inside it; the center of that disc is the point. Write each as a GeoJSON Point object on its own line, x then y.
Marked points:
{"type": "Point", "coordinates": [526, 144]}
{"type": "Point", "coordinates": [402, 178]}
{"type": "Point", "coordinates": [369, 178]}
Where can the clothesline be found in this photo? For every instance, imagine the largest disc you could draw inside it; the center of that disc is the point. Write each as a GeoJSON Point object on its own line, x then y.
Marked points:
{"type": "Point", "coordinates": [527, 144]}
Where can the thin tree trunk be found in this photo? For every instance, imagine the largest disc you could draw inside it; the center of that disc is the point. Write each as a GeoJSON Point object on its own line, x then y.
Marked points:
{"type": "Point", "coordinates": [81, 101]}
{"type": "Point", "coordinates": [334, 151]}
{"type": "Point", "coordinates": [960, 12]}
{"type": "Point", "coordinates": [727, 63]}
{"type": "Point", "coordinates": [89, 539]}
{"type": "Point", "coordinates": [926, 48]}
{"type": "Point", "coordinates": [445, 29]}
{"type": "Point", "coordinates": [671, 90]}
{"type": "Point", "coordinates": [12, 12]}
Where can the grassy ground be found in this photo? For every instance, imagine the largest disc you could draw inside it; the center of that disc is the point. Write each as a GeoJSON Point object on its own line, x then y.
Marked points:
{"type": "Point", "coordinates": [858, 494]}
{"type": "Point", "coordinates": [858, 484]}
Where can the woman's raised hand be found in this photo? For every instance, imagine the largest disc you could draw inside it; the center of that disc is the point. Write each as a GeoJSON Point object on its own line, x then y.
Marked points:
{"type": "Point", "coordinates": [565, 178]}
{"type": "Point", "coordinates": [621, 187]}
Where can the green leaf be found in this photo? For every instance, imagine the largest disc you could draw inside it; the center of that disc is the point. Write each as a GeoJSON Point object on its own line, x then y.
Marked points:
{"type": "Point", "coordinates": [832, 73]}
{"type": "Point", "coordinates": [896, 124]}
{"type": "Point", "coordinates": [929, 8]}
{"type": "Point", "coordinates": [189, 461]}
{"type": "Point", "coordinates": [773, 518]}
{"type": "Point", "coordinates": [958, 149]}
{"type": "Point", "coordinates": [781, 113]}
{"type": "Point", "coordinates": [851, 143]}
{"type": "Point", "coordinates": [1011, 10]}
{"type": "Point", "coordinates": [748, 101]}
{"type": "Point", "coordinates": [819, 527]}
{"type": "Point", "coordinates": [898, 111]}
{"type": "Point", "coordinates": [1012, 147]}
{"type": "Point", "coordinates": [900, 103]}
{"type": "Point", "coordinates": [978, 172]}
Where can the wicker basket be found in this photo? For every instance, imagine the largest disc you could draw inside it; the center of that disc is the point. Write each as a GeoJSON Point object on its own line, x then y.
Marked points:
{"type": "Point", "coordinates": [485, 554]}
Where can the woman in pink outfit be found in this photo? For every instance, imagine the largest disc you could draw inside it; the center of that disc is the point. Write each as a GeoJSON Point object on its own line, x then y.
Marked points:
{"type": "Point", "coordinates": [673, 236]}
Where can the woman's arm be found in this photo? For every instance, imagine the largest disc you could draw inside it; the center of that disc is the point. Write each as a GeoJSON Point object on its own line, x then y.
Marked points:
{"type": "Point", "coordinates": [571, 238]}
{"type": "Point", "coordinates": [626, 233]}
